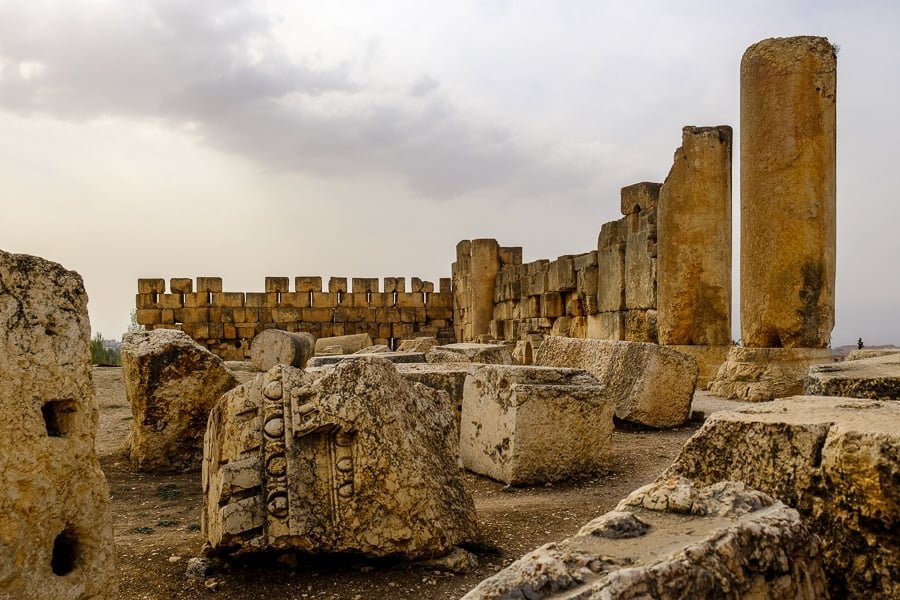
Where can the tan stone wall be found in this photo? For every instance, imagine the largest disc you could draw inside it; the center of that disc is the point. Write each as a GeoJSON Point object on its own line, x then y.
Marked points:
{"type": "Point", "coordinates": [788, 156]}
{"type": "Point", "coordinates": [226, 322]}
{"type": "Point", "coordinates": [694, 241]}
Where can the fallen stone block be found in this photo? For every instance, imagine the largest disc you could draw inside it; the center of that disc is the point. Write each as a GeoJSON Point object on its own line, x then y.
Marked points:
{"type": "Point", "coordinates": [348, 459]}
{"type": "Point", "coordinates": [374, 349]}
{"type": "Point", "coordinates": [171, 383]}
{"type": "Point", "coordinates": [862, 353]}
{"type": "Point", "coordinates": [674, 540]}
{"type": "Point", "coordinates": [276, 347]}
{"type": "Point", "coordinates": [876, 378]}
{"type": "Point", "coordinates": [394, 357]}
{"type": "Point", "coordinates": [348, 343]}
{"type": "Point", "coordinates": [836, 460]}
{"type": "Point", "coordinates": [648, 384]}
{"type": "Point", "coordinates": [56, 536]}
{"type": "Point", "coordinates": [763, 374]}
{"type": "Point", "coordinates": [419, 344]}
{"type": "Point", "coordinates": [491, 354]}
{"type": "Point", "coordinates": [524, 425]}
{"type": "Point", "coordinates": [450, 377]}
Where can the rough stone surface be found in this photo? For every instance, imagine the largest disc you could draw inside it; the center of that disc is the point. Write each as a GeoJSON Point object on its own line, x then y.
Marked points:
{"type": "Point", "coordinates": [419, 344]}
{"type": "Point", "coordinates": [490, 354]}
{"type": "Point", "coordinates": [56, 538]}
{"type": "Point", "coordinates": [348, 343]}
{"type": "Point", "coordinates": [788, 202]}
{"type": "Point", "coordinates": [649, 384]}
{"type": "Point", "coordinates": [871, 353]}
{"type": "Point", "coordinates": [375, 349]}
{"type": "Point", "coordinates": [763, 374]}
{"type": "Point", "coordinates": [534, 424]}
{"type": "Point", "coordinates": [694, 242]}
{"type": "Point", "coordinates": [674, 540]}
{"type": "Point", "coordinates": [273, 347]}
{"type": "Point", "coordinates": [171, 383]}
{"type": "Point", "coordinates": [836, 460]}
{"type": "Point", "coordinates": [875, 378]}
{"type": "Point", "coordinates": [349, 459]}
{"type": "Point", "coordinates": [394, 357]}
{"type": "Point", "coordinates": [450, 377]}
{"type": "Point", "coordinates": [709, 359]}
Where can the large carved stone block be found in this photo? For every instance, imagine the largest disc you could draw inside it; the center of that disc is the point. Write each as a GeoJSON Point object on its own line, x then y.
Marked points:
{"type": "Point", "coordinates": [876, 378]}
{"type": "Point", "coordinates": [171, 383]}
{"type": "Point", "coordinates": [836, 460]}
{"type": "Point", "coordinates": [763, 374]}
{"type": "Point", "coordinates": [56, 538]}
{"type": "Point", "coordinates": [350, 459]}
{"type": "Point", "coordinates": [648, 384]}
{"type": "Point", "coordinates": [532, 424]}
{"type": "Point", "coordinates": [674, 540]}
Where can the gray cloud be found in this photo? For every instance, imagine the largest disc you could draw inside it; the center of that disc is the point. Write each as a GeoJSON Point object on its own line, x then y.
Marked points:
{"type": "Point", "coordinates": [217, 66]}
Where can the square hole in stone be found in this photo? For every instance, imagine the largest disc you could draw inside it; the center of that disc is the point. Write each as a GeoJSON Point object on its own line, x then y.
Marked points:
{"type": "Point", "coordinates": [59, 417]}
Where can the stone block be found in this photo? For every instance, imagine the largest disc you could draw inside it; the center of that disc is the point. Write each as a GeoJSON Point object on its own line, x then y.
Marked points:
{"type": "Point", "coordinates": [648, 384]}
{"type": "Point", "coordinates": [526, 425]}
{"type": "Point", "coordinates": [363, 285]}
{"type": "Point", "coordinates": [675, 540]}
{"type": "Point", "coordinates": [611, 267]}
{"type": "Point", "coordinates": [151, 286]}
{"type": "Point", "coordinates": [294, 299]}
{"type": "Point", "coordinates": [255, 299]}
{"type": "Point", "coordinates": [762, 374]}
{"type": "Point", "coordinates": [833, 459]}
{"type": "Point", "coordinates": [228, 299]}
{"type": "Point", "coordinates": [640, 261]}
{"type": "Point", "coordinates": [640, 326]}
{"type": "Point", "coordinates": [181, 285]}
{"type": "Point", "coordinates": [510, 256]}
{"type": "Point", "coordinates": [197, 300]}
{"type": "Point", "coordinates": [337, 285]}
{"type": "Point", "coordinates": [607, 326]}
{"type": "Point", "coordinates": [351, 460]}
{"type": "Point", "coordinates": [307, 284]}
{"type": "Point", "coordinates": [493, 354]}
{"type": "Point", "coordinates": [552, 305]}
{"type": "Point", "coordinates": [561, 275]}
{"type": "Point", "coordinates": [394, 284]}
{"type": "Point", "coordinates": [411, 300]}
{"type": "Point", "coordinates": [585, 260]}
{"type": "Point", "coordinates": [148, 316]}
{"type": "Point", "coordinates": [318, 314]}
{"type": "Point", "coordinates": [209, 284]}
{"type": "Point", "coordinates": [709, 359]}
{"type": "Point", "coordinates": [445, 285]}
{"type": "Point", "coordinates": [276, 347]}
{"type": "Point", "coordinates": [171, 301]}
{"type": "Point", "coordinates": [639, 197]}
{"type": "Point", "coordinates": [877, 378]}
{"type": "Point", "coordinates": [145, 301]}
{"type": "Point", "coordinates": [324, 299]}
{"type": "Point", "coordinates": [56, 536]}
{"type": "Point", "coordinates": [348, 343]}
{"type": "Point", "coordinates": [278, 284]}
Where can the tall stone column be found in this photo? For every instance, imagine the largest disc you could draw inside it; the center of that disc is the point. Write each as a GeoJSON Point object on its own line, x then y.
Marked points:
{"type": "Point", "coordinates": [788, 150]}
{"type": "Point", "coordinates": [485, 266]}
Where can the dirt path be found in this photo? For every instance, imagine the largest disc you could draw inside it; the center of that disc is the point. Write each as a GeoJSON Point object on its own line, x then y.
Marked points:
{"type": "Point", "coordinates": [156, 521]}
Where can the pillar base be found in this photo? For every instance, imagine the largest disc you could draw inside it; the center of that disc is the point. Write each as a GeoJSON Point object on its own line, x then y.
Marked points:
{"type": "Point", "coordinates": [709, 359]}
{"type": "Point", "coordinates": [762, 374]}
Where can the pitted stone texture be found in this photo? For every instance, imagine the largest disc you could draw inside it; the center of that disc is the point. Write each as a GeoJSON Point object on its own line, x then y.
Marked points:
{"type": "Point", "coordinates": [871, 353]}
{"type": "Point", "coordinates": [171, 383]}
{"type": "Point", "coordinates": [836, 460]}
{"type": "Point", "coordinates": [351, 458]}
{"type": "Point", "coordinates": [788, 192]}
{"type": "Point", "coordinates": [525, 425]}
{"type": "Point", "coordinates": [394, 357]}
{"type": "Point", "coordinates": [875, 378]}
{"type": "Point", "coordinates": [709, 359]}
{"type": "Point", "coordinates": [347, 343]}
{"type": "Point", "coordinates": [763, 374]}
{"type": "Point", "coordinates": [490, 354]}
{"type": "Point", "coordinates": [56, 538]}
{"type": "Point", "coordinates": [649, 384]}
{"type": "Point", "coordinates": [419, 344]}
{"type": "Point", "coordinates": [276, 347]}
{"type": "Point", "coordinates": [674, 540]}
{"type": "Point", "coordinates": [450, 377]}
{"type": "Point", "coordinates": [694, 242]}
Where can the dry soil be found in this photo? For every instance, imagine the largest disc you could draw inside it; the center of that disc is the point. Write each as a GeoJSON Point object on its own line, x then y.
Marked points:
{"type": "Point", "coordinates": [157, 524]}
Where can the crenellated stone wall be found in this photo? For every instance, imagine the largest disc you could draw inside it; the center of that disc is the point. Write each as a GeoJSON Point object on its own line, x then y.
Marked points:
{"type": "Point", "coordinates": [226, 322]}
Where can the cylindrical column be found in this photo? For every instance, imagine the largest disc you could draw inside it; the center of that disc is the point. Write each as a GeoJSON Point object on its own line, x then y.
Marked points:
{"type": "Point", "coordinates": [788, 150]}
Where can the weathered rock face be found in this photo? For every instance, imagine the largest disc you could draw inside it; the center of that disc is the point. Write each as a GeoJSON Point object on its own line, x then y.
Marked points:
{"type": "Point", "coordinates": [875, 378]}
{"type": "Point", "coordinates": [273, 347]}
{"type": "Point", "coordinates": [649, 384]}
{"type": "Point", "coordinates": [419, 344]}
{"type": "Point", "coordinates": [534, 424]}
{"type": "Point", "coordinates": [394, 357]}
{"type": "Point", "coordinates": [347, 343]}
{"type": "Point", "coordinates": [788, 206]}
{"type": "Point", "coordinates": [56, 538]}
{"type": "Point", "coordinates": [350, 459]}
{"type": "Point", "coordinates": [709, 360]}
{"type": "Point", "coordinates": [171, 383]}
{"type": "Point", "coordinates": [694, 242]}
{"type": "Point", "coordinates": [489, 354]}
{"type": "Point", "coordinates": [871, 353]}
{"type": "Point", "coordinates": [674, 540]}
{"type": "Point", "coordinates": [836, 460]}
{"type": "Point", "coordinates": [450, 377]}
{"type": "Point", "coordinates": [763, 374]}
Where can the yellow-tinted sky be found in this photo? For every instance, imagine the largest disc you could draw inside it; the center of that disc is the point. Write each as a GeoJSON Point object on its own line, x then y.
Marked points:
{"type": "Point", "coordinates": [244, 139]}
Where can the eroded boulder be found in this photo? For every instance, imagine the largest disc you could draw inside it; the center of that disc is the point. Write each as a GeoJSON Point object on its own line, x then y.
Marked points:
{"type": "Point", "coordinates": [351, 458]}
{"type": "Point", "coordinates": [836, 460]}
{"type": "Point", "coordinates": [649, 384]}
{"type": "Point", "coordinates": [56, 537]}
{"type": "Point", "coordinates": [524, 425]}
{"type": "Point", "coordinates": [171, 383]}
{"type": "Point", "coordinates": [671, 540]}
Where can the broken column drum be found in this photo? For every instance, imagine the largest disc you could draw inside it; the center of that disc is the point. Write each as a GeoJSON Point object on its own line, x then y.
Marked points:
{"type": "Point", "coordinates": [788, 155]}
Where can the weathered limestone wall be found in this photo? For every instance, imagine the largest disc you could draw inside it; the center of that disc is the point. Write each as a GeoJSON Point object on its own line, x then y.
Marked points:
{"type": "Point", "coordinates": [226, 322]}
{"type": "Point", "coordinates": [694, 242]}
{"type": "Point", "coordinates": [788, 165]}
{"type": "Point", "coordinates": [474, 276]}
{"type": "Point", "coordinates": [56, 538]}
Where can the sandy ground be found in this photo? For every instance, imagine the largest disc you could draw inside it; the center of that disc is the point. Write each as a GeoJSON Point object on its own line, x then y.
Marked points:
{"type": "Point", "coordinates": [157, 522]}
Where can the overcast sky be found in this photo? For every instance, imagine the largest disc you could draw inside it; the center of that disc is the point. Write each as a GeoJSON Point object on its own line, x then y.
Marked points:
{"type": "Point", "coordinates": [243, 139]}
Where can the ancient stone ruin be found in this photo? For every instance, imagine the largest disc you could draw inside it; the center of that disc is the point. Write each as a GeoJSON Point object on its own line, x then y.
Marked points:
{"type": "Point", "coordinates": [352, 459]}
{"type": "Point", "coordinates": [56, 538]}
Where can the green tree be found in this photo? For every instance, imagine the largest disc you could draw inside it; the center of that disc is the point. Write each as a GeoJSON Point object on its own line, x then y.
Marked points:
{"type": "Point", "coordinates": [101, 355]}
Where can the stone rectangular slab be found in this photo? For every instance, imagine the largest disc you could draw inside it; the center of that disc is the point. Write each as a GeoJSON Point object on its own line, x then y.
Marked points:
{"type": "Point", "coordinates": [394, 357]}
